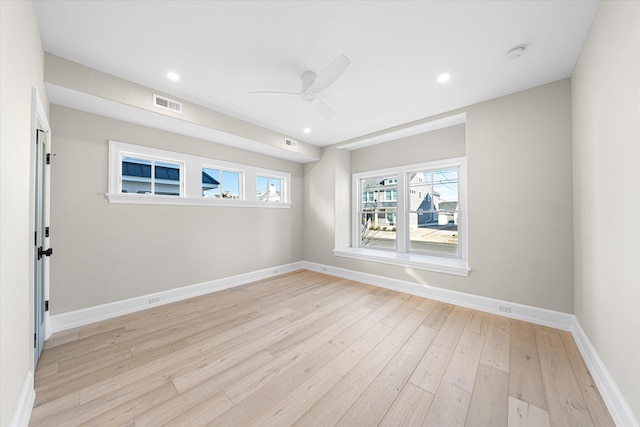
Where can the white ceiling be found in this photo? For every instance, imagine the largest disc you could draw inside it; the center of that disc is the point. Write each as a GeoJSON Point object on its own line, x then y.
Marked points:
{"type": "Point", "coordinates": [223, 49]}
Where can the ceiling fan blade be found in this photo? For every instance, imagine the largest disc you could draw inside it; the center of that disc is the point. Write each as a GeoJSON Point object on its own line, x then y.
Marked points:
{"type": "Point", "coordinates": [322, 108]}
{"type": "Point", "coordinates": [273, 91]}
{"type": "Point", "coordinates": [330, 74]}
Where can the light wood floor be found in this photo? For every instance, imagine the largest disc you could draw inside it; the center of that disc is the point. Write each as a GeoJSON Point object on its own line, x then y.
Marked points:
{"type": "Point", "coordinates": [309, 349]}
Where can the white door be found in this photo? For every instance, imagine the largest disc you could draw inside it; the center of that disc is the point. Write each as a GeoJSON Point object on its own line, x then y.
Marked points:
{"type": "Point", "coordinates": [41, 239]}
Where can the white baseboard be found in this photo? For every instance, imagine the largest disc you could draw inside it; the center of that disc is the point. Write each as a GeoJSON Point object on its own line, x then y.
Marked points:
{"type": "Point", "coordinates": [618, 407]}
{"type": "Point", "coordinates": [85, 316]}
{"type": "Point", "coordinates": [541, 316]}
{"type": "Point", "coordinates": [22, 414]}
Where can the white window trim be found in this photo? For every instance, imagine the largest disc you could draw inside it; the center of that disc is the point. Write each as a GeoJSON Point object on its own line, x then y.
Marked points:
{"type": "Point", "coordinates": [401, 256]}
{"type": "Point", "coordinates": [191, 179]}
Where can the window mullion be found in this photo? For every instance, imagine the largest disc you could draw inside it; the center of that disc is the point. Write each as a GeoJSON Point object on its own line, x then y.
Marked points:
{"type": "Point", "coordinates": [402, 232]}
{"type": "Point", "coordinates": [153, 177]}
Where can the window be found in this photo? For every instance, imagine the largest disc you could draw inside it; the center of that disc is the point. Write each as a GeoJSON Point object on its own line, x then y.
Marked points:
{"type": "Point", "coordinates": [376, 211]}
{"type": "Point", "coordinates": [268, 189]}
{"type": "Point", "coordinates": [148, 176]}
{"type": "Point", "coordinates": [221, 184]}
{"type": "Point", "coordinates": [416, 216]}
{"type": "Point", "coordinates": [144, 175]}
{"type": "Point", "coordinates": [433, 219]}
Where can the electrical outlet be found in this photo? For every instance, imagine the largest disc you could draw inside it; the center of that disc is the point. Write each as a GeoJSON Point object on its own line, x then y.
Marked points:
{"type": "Point", "coordinates": [504, 308]}
{"type": "Point", "coordinates": [153, 300]}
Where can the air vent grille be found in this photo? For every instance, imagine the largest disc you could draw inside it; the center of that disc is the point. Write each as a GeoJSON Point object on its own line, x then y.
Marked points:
{"type": "Point", "coordinates": [290, 143]}
{"type": "Point", "coordinates": [167, 104]}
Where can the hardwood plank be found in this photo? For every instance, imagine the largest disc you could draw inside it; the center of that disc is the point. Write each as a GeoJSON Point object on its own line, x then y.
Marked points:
{"type": "Point", "coordinates": [203, 413]}
{"type": "Point", "coordinates": [330, 408]}
{"type": "Point", "coordinates": [375, 317]}
{"type": "Point", "coordinates": [296, 403]}
{"type": "Point", "coordinates": [409, 409]}
{"type": "Point", "coordinates": [439, 315]}
{"type": "Point", "coordinates": [463, 364]}
{"type": "Point", "coordinates": [128, 411]}
{"type": "Point", "coordinates": [566, 404]}
{"type": "Point", "coordinates": [496, 346]}
{"type": "Point", "coordinates": [245, 412]}
{"type": "Point", "coordinates": [449, 407]}
{"type": "Point", "coordinates": [522, 414]}
{"type": "Point", "coordinates": [490, 398]}
{"type": "Point", "coordinates": [479, 322]}
{"type": "Point", "coordinates": [403, 331]}
{"type": "Point", "coordinates": [177, 404]}
{"type": "Point", "coordinates": [525, 378]}
{"type": "Point", "coordinates": [597, 408]}
{"type": "Point", "coordinates": [254, 380]}
{"type": "Point", "coordinates": [372, 405]}
{"type": "Point", "coordinates": [433, 365]}
{"type": "Point", "coordinates": [353, 354]}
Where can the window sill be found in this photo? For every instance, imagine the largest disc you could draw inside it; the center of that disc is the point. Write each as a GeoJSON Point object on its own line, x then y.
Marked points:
{"type": "Point", "coordinates": [144, 199]}
{"type": "Point", "coordinates": [453, 266]}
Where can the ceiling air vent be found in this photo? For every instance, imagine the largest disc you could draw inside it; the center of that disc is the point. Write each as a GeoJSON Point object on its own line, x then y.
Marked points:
{"type": "Point", "coordinates": [290, 143]}
{"type": "Point", "coordinates": [167, 104]}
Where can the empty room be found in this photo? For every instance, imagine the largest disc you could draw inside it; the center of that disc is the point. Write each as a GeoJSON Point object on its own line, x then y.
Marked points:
{"type": "Point", "coordinates": [319, 213]}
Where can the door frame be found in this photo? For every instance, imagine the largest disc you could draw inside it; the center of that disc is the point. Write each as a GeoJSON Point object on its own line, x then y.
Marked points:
{"type": "Point", "coordinates": [38, 115]}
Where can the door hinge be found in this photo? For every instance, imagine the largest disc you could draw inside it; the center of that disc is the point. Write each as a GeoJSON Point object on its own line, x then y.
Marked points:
{"type": "Point", "coordinates": [46, 305]}
{"type": "Point", "coordinates": [46, 232]}
{"type": "Point", "coordinates": [48, 158]}
{"type": "Point", "coordinates": [35, 340]}
{"type": "Point", "coordinates": [42, 253]}
{"type": "Point", "coordinates": [35, 238]}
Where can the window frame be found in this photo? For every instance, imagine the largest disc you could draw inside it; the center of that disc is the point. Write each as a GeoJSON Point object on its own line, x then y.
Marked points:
{"type": "Point", "coordinates": [224, 168]}
{"type": "Point", "coordinates": [402, 255]}
{"type": "Point", "coordinates": [153, 179]}
{"type": "Point", "coordinates": [190, 179]}
{"type": "Point", "coordinates": [268, 176]}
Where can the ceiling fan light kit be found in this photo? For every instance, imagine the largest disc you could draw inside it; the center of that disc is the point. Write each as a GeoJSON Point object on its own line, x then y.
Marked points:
{"type": "Point", "coordinates": [312, 84]}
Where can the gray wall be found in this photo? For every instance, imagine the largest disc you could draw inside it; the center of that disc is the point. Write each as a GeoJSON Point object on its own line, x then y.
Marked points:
{"type": "Point", "coordinates": [21, 68]}
{"type": "Point", "coordinates": [519, 168]}
{"type": "Point", "coordinates": [606, 158]}
{"type": "Point", "coordinates": [436, 145]}
{"type": "Point", "coordinates": [110, 252]}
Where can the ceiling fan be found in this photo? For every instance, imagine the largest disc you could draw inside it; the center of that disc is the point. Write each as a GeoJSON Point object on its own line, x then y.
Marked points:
{"type": "Point", "coordinates": [313, 84]}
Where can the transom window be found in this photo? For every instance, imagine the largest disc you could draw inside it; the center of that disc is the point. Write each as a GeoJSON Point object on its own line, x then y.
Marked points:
{"type": "Point", "coordinates": [148, 176]}
{"type": "Point", "coordinates": [220, 183]}
{"type": "Point", "coordinates": [268, 188]}
{"type": "Point", "coordinates": [145, 175]}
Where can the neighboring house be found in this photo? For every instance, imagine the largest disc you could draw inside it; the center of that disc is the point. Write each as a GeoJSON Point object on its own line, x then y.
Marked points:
{"type": "Point", "coordinates": [136, 178]}
{"type": "Point", "coordinates": [380, 201]}
{"type": "Point", "coordinates": [272, 195]}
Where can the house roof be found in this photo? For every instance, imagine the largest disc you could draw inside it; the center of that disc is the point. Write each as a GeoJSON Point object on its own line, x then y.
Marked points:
{"type": "Point", "coordinates": [162, 172]}
{"type": "Point", "coordinates": [448, 206]}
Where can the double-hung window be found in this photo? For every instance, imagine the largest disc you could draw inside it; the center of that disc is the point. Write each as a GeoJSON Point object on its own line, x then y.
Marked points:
{"type": "Point", "coordinates": [412, 215]}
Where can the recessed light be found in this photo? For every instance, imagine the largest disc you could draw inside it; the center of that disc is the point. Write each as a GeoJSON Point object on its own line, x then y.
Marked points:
{"type": "Point", "coordinates": [306, 130]}
{"type": "Point", "coordinates": [443, 78]}
{"type": "Point", "coordinates": [173, 76]}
